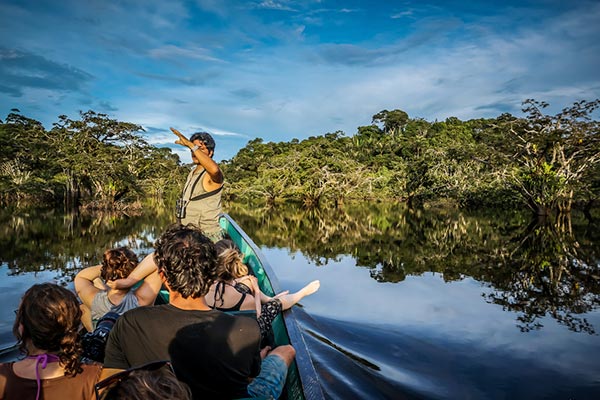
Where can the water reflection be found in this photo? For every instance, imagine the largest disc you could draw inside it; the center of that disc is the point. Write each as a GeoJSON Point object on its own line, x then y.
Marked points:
{"type": "Point", "coordinates": [399, 313]}
{"type": "Point", "coordinates": [47, 240]}
{"type": "Point", "coordinates": [537, 269]}
{"type": "Point", "coordinates": [546, 271]}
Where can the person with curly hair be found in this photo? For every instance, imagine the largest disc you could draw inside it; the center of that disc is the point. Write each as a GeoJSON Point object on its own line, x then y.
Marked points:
{"type": "Point", "coordinates": [93, 286]}
{"type": "Point", "coordinates": [46, 327]}
{"type": "Point", "coordinates": [216, 354]}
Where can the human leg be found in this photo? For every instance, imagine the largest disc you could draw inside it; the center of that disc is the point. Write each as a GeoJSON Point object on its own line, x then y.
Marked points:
{"type": "Point", "coordinates": [288, 300]}
{"type": "Point", "coordinates": [271, 380]}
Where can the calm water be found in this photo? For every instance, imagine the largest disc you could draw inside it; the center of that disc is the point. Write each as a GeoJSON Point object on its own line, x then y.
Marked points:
{"type": "Point", "coordinates": [434, 304]}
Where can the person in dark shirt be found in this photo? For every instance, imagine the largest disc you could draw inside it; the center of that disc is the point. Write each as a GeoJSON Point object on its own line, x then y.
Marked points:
{"type": "Point", "coordinates": [218, 355]}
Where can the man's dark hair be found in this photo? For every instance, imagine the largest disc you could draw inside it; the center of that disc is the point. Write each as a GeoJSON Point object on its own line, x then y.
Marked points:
{"type": "Point", "coordinates": [187, 259]}
{"type": "Point", "coordinates": [205, 138]}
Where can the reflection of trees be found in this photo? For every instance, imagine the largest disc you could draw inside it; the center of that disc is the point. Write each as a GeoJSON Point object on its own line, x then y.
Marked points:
{"type": "Point", "coordinates": [547, 269]}
{"type": "Point", "coordinates": [548, 272]}
{"type": "Point", "coordinates": [48, 240]}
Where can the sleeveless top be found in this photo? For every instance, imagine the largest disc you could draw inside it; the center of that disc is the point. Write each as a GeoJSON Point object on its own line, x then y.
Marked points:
{"type": "Point", "coordinates": [80, 386]}
{"type": "Point", "coordinates": [268, 313]}
{"type": "Point", "coordinates": [101, 304]}
{"type": "Point", "coordinates": [203, 212]}
{"type": "Point", "coordinates": [241, 288]}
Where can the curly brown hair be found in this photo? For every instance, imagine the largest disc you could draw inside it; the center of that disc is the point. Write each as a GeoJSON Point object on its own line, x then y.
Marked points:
{"type": "Point", "coordinates": [49, 318]}
{"type": "Point", "coordinates": [118, 263]}
{"type": "Point", "coordinates": [187, 259]}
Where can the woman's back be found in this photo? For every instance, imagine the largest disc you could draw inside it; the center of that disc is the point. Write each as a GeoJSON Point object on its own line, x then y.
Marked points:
{"type": "Point", "coordinates": [80, 386]}
{"type": "Point", "coordinates": [98, 298]}
{"type": "Point", "coordinates": [235, 295]}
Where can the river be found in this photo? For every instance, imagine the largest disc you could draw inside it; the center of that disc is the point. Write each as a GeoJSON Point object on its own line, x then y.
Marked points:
{"type": "Point", "coordinates": [419, 304]}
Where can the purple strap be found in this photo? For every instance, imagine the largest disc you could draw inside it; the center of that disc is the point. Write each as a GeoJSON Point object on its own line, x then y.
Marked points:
{"type": "Point", "coordinates": [43, 359]}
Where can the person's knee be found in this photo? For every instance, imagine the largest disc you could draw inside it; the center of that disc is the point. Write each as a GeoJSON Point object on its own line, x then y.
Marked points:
{"type": "Point", "coordinates": [286, 352]}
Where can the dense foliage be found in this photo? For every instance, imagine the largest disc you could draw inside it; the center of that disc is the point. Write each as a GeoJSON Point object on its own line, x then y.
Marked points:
{"type": "Point", "coordinates": [543, 162]}
{"type": "Point", "coordinates": [94, 161]}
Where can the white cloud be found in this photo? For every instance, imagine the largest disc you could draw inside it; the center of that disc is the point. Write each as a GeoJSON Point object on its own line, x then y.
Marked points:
{"type": "Point", "coordinates": [174, 52]}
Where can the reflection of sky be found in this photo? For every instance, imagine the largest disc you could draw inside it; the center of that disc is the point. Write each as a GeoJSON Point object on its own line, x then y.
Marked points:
{"type": "Point", "coordinates": [11, 290]}
{"type": "Point", "coordinates": [426, 306]}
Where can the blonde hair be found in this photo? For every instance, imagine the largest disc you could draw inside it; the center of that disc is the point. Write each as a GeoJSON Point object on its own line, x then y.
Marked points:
{"type": "Point", "coordinates": [231, 265]}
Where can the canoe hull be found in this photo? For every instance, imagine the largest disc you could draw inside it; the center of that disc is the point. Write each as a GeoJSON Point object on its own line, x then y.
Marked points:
{"type": "Point", "coordinates": [302, 381]}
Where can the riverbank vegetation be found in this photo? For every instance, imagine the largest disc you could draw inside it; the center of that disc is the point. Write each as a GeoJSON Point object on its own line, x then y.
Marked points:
{"type": "Point", "coordinates": [94, 162]}
{"type": "Point", "coordinates": [544, 162]}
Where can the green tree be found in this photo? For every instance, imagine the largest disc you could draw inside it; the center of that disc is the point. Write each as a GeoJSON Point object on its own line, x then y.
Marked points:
{"type": "Point", "coordinates": [555, 154]}
{"type": "Point", "coordinates": [393, 121]}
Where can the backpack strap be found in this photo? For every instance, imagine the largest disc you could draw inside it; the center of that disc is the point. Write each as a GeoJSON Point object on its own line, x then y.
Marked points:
{"type": "Point", "coordinates": [207, 194]}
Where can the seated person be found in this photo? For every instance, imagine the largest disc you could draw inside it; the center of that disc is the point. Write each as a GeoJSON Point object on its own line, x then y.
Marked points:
{"type": "Point", "coordinates": [236, 290]}
{"type": "Point", "coordinates": [46, 327]}
{"type": "Point", "coordinates": [153, 381]}
{"type": "Point", "coordinates": [226, 348]}
{"type": "Point", "coordinates": [97, 301]}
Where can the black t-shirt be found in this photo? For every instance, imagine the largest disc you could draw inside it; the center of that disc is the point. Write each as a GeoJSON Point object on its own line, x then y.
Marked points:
{"type": "Point", "coordinates": [215, 354]}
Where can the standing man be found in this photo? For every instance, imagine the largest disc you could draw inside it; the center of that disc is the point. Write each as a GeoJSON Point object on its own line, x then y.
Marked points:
{"type": "Point", "coordinates": [200, 202]}
{"type": "Point", "coordinates": [217, 354]}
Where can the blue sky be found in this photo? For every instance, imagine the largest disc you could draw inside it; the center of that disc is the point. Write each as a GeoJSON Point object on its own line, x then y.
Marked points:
{"type": "Point", "coordinates": [283, 69]}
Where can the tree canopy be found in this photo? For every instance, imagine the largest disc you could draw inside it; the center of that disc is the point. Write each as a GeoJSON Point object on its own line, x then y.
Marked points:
{"type": "Point", "coordinates": [544, 162]}
{"type": "Point", "coordinates": [94, 161]}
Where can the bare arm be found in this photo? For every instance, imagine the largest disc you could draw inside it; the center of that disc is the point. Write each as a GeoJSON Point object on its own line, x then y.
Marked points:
{"type": "Point", "coordinates": [146, 294]}
{"type": "Point", "coordinates": [257, 296]}
{"type": "Point", "coordinates": [211, 167]}
{"type": "Point", "coordinates": [144, 269]}
{"type": "Point", "coordinates": [252, 283]}
{"type": "Point", "coordinates": [84, 284]}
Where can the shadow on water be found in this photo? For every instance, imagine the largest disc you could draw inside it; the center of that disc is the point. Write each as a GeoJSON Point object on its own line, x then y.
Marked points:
{"type": "Point", "coordinates": [466, 305]}
{"type": "Point", "coordinates": [355, 375]}
{"type": "Point", "coordinates": [379, 362]}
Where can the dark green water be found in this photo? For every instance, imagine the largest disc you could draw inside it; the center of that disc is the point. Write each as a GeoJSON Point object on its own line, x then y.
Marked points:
{"type": "Point", "coordinates": [436, 303]}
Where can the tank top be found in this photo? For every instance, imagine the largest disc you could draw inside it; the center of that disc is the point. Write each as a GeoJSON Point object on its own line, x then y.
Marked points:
{"type": "Point", "coordinates": [80, 386]}
{"type": "Point", "coordinates": [202, 212]}
{"type": "Point", "coordinates": [101, 304]}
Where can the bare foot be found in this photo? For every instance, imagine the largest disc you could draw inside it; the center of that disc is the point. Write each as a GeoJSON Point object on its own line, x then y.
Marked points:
{"type": "Point", "coordinates": [311, 288]}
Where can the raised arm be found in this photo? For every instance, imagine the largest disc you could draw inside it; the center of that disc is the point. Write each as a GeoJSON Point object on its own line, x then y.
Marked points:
{"type": "Point", "coordinates": [145, 268]}
{"type": "Point", "coordinates": [146, 294]}
{"type": "Point", "coordinates": [201, 153]}
{"type": "Point", "coordinates": [84, 284]}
